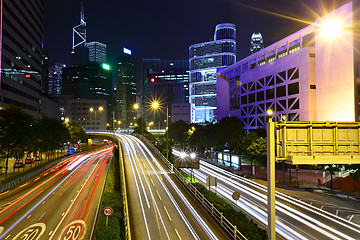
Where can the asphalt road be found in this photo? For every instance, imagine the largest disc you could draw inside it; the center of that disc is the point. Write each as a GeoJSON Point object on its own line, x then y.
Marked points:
{"type": "Point", "coordinates": [60, 203]}
{"type": "Point", "coordinates": [159, 207]}
{"type": "Point", "coordinates": [295, 219]}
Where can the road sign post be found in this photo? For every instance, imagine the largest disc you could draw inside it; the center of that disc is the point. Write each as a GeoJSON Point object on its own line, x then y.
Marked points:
{"type": "Point", "coordinates": [107, 212]}
{"type": "Point", "coordinates": [236, 196]}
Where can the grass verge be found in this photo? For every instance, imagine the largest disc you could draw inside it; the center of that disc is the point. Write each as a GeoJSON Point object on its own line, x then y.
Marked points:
{"type": "Point", "coordinates": [111, 198]}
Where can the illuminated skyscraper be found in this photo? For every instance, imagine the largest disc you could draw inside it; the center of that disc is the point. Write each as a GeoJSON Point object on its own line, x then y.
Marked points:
{"type": "Point", "coordinates": [205, 58]}
{"type": "Point", "coordinates": [79, 31]}
{"type": "Point", "coordinates": [21, 54]}
{"type": "Point", "coordinates": [97, 52]}
{"type": "Point", "coordinates": [55, 78]}
{"type": "Point", "coordinates": [125, 93]}
{"type": "Point", "coordinates": [256, 43]}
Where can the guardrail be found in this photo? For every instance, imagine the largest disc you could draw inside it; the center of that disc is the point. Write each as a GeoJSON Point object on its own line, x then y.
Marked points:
{"type": "Point", "coordinates": [218, 216]}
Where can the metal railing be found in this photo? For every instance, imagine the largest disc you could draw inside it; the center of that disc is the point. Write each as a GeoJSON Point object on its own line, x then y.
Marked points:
{"type": "Point", "coordinates": [218, 216]}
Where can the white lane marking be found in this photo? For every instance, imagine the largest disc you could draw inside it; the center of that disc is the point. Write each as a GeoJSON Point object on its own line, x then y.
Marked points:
{"type": "Point", "coordinates": [50, 233]}
{"type": "Point", "coordinates": [158, 194]}
{"type": "Point", "coordinates": [167, 213]}
{"type": "Point", "coordinates": [29, 216]}
{"type": "Point", "coordinates": [7, 237]}
{"type": "Point", "coordinates": [177, 234]}
{"type": "Point", "coordinates": [43, 202]}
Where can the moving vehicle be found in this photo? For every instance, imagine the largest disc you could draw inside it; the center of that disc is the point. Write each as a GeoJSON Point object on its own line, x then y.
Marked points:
{"type": "Point", "coordinates": [19, 165]}
{"type": "Point", "coordinates": [29, 160]}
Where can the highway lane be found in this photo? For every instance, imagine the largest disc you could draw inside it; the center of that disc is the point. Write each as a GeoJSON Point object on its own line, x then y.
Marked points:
{"type": "Point", "coordinates": [60, 203]}
{"type": "Point", "coordinates": [158, 207]}
{"type": "Point", "coordinates": [295, 219]}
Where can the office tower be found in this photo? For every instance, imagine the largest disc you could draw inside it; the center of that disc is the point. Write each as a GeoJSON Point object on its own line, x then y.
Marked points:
{"type": "Point", "coordinates": [256, 43]}
{"type": "Point", "coordinates": [125, 93]}
{"type": "Point", "coordinates": [171, 85]}
{"type": "Point", "coordinates": [79, 31]}
{"type": "Point", "coordinates": [205, 58]}
{"type": "Point", "coordinates": [87, 81]}
{"type": "Point", "coordinates": [97, 51]}
{"type": "Point", "coordinates": [297, 77]}
{"type": "Point", "coordinates": [55, 78]}
{"type": "Point", "coordinates": [21, 54]}
{"type": "Point", "coordinates": [45, 73]}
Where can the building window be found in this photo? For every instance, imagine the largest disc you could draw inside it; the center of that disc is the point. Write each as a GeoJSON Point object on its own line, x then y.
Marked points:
{"type": "Point", "coordinates": [270, 93]}
{"type": "Point", "coordinates": [293, 88]}
{"type": "Point", "coordinates": [281, 91]}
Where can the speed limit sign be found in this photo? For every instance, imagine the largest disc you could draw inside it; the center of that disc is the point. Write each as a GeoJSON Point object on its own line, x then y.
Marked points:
{"type": "Point", "coordinates": [108, 211]}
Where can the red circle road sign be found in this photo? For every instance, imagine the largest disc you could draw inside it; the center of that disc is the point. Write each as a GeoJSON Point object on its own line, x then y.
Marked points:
{"type": "Point", "coordinates": [108, 211]}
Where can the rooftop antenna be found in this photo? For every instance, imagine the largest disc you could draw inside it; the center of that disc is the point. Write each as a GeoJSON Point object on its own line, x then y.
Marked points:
{"type": "Point", "coordinates": [79, 32]}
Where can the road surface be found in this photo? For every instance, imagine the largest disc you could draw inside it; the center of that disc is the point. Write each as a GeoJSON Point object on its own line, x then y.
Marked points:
{"type": "Point", "coordinates": [159, 207]}
{"type": "Point", "coordinates": [295, 219]}
{"type": "Point", "coordinates": [60, 203]}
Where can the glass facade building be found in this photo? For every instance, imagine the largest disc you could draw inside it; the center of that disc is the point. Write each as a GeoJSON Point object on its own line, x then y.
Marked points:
{"type": "Point", "coordinates": [204, 59]}
{"type": "Point", "coordinates": [21, 54]}
{"type": "Point", "coordinates": [125, 94]}
{"type": "Point", "coordinates": [256, 42]}
{"type": "Point", "coordinates": [97, 51]}
{"type": "Point", "coordinates": [55, 78]}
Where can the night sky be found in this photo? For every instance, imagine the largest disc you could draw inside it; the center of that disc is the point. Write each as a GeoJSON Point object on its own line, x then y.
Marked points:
{"type": "Point", "coordinates": [166, 29]}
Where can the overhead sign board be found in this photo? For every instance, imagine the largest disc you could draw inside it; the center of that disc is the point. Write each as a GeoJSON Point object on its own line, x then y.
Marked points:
{"type": "Point", "coordinates": [320, 142]}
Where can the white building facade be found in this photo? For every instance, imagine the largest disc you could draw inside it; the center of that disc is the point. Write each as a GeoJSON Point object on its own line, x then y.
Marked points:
{"type": "Point", "coordinates": [307, 76]}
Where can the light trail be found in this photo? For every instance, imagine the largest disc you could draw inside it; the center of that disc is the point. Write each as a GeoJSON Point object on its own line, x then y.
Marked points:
{"type": "Point", "coordinates": [258, 210]}
{"type": "Point", "coordinates": [202, 223]}
{"type": "Point", "coordinates": [59, 172]}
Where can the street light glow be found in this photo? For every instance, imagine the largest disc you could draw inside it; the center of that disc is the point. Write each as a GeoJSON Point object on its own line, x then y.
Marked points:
{"type": "Point", "coordinates": [155, 105]}
{"type": "Point", "coordinates": [192, 155]}
{"type": "Point", "coordinates": [183, 155]}
{"type": "Point", "coordinates": [101, 108]}
{"type": "Point", "coordinates": [331, 28]}
{"type": "Point", "coordinates": [136, 106]}
{"type": "Point", "coordinates": [270, 112]}
{"type": "Point", "coordinates": [91, 109]}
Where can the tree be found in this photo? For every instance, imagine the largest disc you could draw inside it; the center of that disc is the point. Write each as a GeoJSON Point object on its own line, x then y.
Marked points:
{"type": "Point", "coordinates": [257, 151]}
{"type": "Point", "coordinates": [229, 131]}
{"type": "Point", "coordinates": [15, 126]}
{"type": "Point", "coordinates": [178, 131]}
{"type": "Point", "coordinates": [76, 133]}
{"type": "Point", "coordinates": [244, 142]}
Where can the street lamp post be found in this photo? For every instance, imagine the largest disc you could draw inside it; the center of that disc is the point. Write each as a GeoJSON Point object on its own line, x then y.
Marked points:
{"type": "Point", "coordinates": [167, 132]}
{"type": "Point", "coordinates": [94, 110]}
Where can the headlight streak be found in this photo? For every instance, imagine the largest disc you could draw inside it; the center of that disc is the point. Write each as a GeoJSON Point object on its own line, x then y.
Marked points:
{"type": "Point", "coordinates": [86, 201]}
{"type": "Point", "coordinates": [168, 192]}
{"type": "Point", "coordinates": [138, 191]}
{"type": "Point", "coordinates": [73, 200]}
{"type": "Point", "coordinates": [151, 194]}
{"type": "Point", "coordinates": [248, 206]}
{"type": "Point", "coordinates": [282, 196]}
{"type": "Point", "coordinates": [34, 189]}
{"type": "Point", "coordinates": [263, 199]}
{"type": "Point", "coordinates": [205, 227]}
{"type": "Point", "coordinates": [37, 204]}
{"type": "Point", "coordinates": [281, 206]}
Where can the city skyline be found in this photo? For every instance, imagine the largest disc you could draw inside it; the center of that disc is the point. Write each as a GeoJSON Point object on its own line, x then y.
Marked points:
{"type": "Point", "coordinates": [157, 37]}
